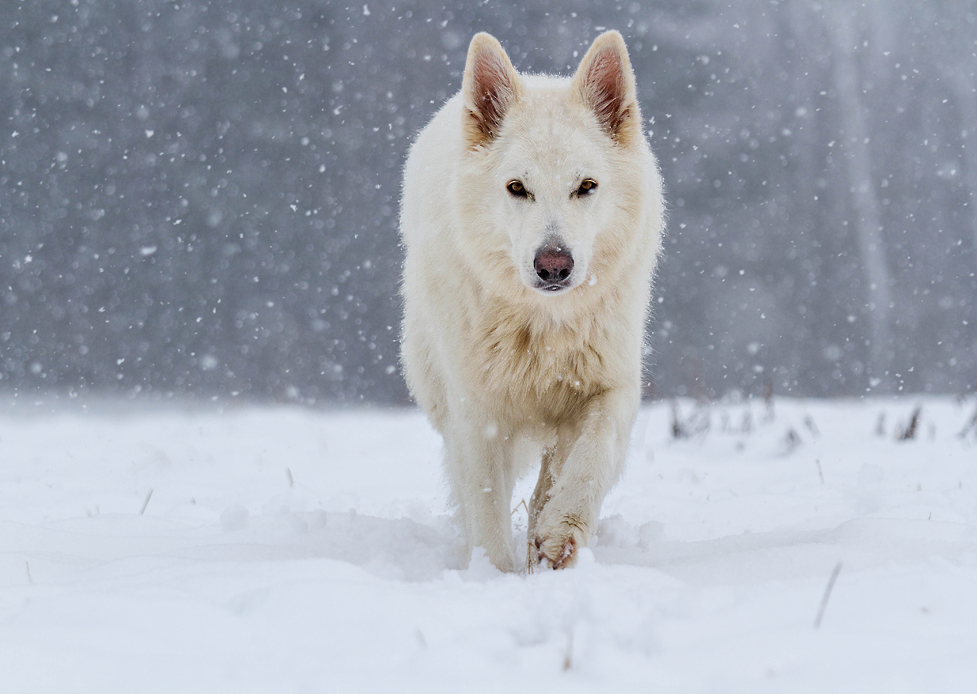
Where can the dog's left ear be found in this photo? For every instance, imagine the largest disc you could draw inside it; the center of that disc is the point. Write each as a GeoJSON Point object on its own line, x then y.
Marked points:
{"type": "Point", "coordinates": [605, 82]}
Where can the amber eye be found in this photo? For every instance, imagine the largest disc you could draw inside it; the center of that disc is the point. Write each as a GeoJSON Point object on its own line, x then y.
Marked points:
{"type": "Point", "coordinates": [517, 188]}
{"type": "Point", "coordinates": [588, 186]}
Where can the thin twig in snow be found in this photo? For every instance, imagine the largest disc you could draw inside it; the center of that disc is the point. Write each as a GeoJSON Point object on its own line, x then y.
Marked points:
{"type": "Point", "coordinates": [827, 595]}
{"type": "Point", "coordinates": [291, 482]}
{"type": "Point", "coordinates": [146, 502]}
{"type": "Point", "coordinates": [29, 579]}
{"type": "Point", "coordinates": [811, 426]}
{"type": "Point", "coordinates": [820, 474]}
{"type": "Point", "coordinates": [909, 433]}
{"type": "Point", "coordinates": [791, 441]}
{"type": "Point", "coordinates": [678, 431]}
{"type": "Point", "coordinates": [747, 426]}
{"type": "Point", "coordinates": [971, 426]}
{"type": "Point", "coordinates": [568, 655]}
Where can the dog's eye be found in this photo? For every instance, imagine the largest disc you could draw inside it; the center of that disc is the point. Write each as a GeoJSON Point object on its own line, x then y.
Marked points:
{"type": "Point", "coordinates": [588, 186]}
{"type": "Point", "coordinates": [517, 189]}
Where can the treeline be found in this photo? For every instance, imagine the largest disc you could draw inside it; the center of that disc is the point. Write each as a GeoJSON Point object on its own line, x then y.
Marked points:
{"type": "Point", "coordinates": [202, 198]}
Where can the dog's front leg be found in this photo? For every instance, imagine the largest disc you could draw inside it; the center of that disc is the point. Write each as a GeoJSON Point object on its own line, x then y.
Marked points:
{"type": "Point", "coordinates": [479, 461]}
{"type": "Point", "coordinates": [569, 513]}
{"type": "Point", "coordinates": [553, 459]}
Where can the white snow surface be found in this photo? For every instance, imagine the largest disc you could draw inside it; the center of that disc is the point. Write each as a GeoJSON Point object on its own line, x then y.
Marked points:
{"type": "Point", "coordinates": [289, 550]}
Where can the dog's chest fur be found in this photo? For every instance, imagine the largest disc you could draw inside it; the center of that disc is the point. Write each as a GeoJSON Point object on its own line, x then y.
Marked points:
{"type": "Point", "coordinates": [546, 373]}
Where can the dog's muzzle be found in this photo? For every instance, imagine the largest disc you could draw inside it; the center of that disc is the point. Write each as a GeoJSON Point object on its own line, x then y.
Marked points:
{"type": "Point", "coordinates": [554, 266]}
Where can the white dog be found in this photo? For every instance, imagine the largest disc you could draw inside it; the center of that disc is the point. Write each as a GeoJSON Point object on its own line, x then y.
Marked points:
{"type": "Point", "coordinates": [532, 216]}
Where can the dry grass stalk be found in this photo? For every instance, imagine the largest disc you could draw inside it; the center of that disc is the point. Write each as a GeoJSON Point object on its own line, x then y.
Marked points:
{"type": "Point", "coordinates": [827, 595]}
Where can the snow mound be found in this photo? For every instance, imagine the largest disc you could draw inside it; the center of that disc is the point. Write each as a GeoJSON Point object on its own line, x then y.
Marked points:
{"type": "Point", "coordinates": [281, 550]}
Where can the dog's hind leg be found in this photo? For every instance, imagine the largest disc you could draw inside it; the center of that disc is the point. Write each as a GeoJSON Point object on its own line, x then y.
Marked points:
{"type": "Point", "coordinates": [479, 462]}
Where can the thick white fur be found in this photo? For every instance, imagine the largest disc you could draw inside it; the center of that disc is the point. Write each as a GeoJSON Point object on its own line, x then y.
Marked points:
{"type": "Point", "coordinates": [490, 358]}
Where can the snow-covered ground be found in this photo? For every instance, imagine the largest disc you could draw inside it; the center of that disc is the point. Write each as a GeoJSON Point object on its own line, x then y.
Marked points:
{"type": "Point", "coordinates": [286, 550]}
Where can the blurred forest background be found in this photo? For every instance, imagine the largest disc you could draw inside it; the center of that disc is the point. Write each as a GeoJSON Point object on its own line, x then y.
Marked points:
{"type": "Point", "coordinates": [200, 198]}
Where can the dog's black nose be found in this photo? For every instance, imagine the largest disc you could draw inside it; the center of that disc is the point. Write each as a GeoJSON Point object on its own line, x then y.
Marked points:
{"type": "Point", "coordinates": [553, 264]}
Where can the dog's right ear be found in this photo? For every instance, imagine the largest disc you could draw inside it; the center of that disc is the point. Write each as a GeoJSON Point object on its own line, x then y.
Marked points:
{"type": "Point", "coordinates": [489, 88]}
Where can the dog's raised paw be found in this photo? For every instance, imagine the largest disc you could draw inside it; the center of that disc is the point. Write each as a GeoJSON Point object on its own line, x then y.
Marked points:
{"type": "Point", "coordinates": [558, 550]}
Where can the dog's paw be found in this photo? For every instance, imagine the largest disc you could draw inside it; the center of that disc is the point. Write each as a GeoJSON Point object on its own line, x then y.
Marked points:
{"type": "Point", "coordinates": [555, 547]}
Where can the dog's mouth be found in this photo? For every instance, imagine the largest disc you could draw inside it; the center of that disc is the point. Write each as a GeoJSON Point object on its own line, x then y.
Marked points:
{"type": "Point", "coordinates": [552, 287]}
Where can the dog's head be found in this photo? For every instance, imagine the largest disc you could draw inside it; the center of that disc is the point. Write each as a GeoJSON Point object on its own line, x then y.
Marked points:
{"type": "Point", "coordinates": [554, 165]}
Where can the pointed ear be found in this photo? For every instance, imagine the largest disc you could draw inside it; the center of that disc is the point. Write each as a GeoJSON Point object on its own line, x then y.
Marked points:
{"type": "Point", "coordinates": [605, 82]}
{"type": "Point", "coordinates": [490, 86]}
